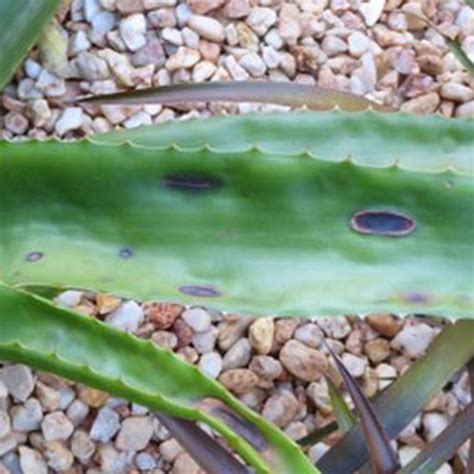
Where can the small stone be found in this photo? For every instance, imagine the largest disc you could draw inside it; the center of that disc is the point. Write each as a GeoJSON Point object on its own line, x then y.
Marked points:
{"type": "Point", "coordinates": [319, 394]}
{"type": "Point", "coordinates": [173, 36]}
{"type": "Point", "coordinates": [238, 355]}
{"type": "Point", "coordinates": [31, 461]}
{"type": "Point", "coordinates": [70, 119]}
{"type": "Point", "coordinates": [433, 425]}
{"type": "Point", "coordinates": [456, 92]}
{"type": "Point", "coordinates": [237, 72]}
{"type": "Point", "coordinates": [296, 430]}
{"type": "Point", "coordinates": [385, 324]}
{"type": "Point", "coordinates": [465, 110]}
{"type": "Point", "coordinates": [197, 318]}
{"type": "Point", "coordinates": [405, 62]}
{"type": "Point", "coordinates": [129, 6]}
{"type": "Point", "coordinates": [162, 315]}
{"type": "Point", "coordinates": [289, 27]}
{"type": "Point", "coordinates": [92, 397]}
{"type": "Point", "coordinates": [309, 334]}
{"type": "Point", "coordinates": [266, 367]}
{"type": "Point", "coordinates": [82, 447]}
{"type": "Point", "coordinates": [355, 365]}
{"type": "Point", "coordinates": [7, 444]}
{"type": "Point", "coordinates": [333, 45]}
{"type": "Point", "coordinates": [235, 9]}
{"type": "Point", "coordinates": [414, 339]}
{"type": "Point", "coordinates": [211, 364]}
{"type": "Point", "coordinates": [5, 425]}
{"type": "Point", "coordinates": [371, 11]}
{"type": "Point", "coordinates": [205, 341]}
{"type": "Point", "coordinates": [146, 462]}
{"type": "Point", "coordinates": [91, 9]}
{"type": "Point", "coordinates": [231, 331]}
{"type": "Point", "coordinates": [48, 397]}
{"type": "Point", "coordinates": [359, 43]}
{"type": "Point", "coordinates": [32, 68]}
{"type": "Point", "coordinates": [239, 381]}
{"type": "Point", "coordinates": [69, 299]}
{"type": "Point", "coordinates": [431, 64]}
{"type": "Point", "coordinates": [138, 120]}
{"type": "Point", "coordinates": [317, 451]}
{"type": "Point", "coordinates": [203, 71]}
{"type": "Point", "coordinates": [58, 457]}
{"type": "Point", "coordinates": [281, 408]}
{"type": "Point", "coordinates": [19, 381]}
{"type": "Point", "coordinates": [261, 334]}
{"type": "Point", "coordinates": [284, 329]}
{"type": "Point", "coordinates": [91, 67]}
{"type": "Point", "coordinates": [422, 105]}
{"type": "Point", "coordinates": [27, 417]}
{"type": "Point", "coordinates": [164, 339]}
{"type": "Point", "coordinates": [202, 7]}
{"type": "Point", "coordinates": [105, 426]}
{"type": "Point", "coordinates": [184, 58]}
{"type": "Point", "coordinates": [133, 29]}
{"type": "Point", "coordinates": [261, 19]}
{"type": "Point", "coordinates": [15, 123]}
{"type": "Point", "coordinates": [162, 18]}
{"type": "Point", "coordinates": [207, 27]}
{"type": "Point", "coordinates": [127, 317]}
{"type": "Point", "coordinates": [377, 350]}
{"type": "Point", "coordinates": [303, 362]}
{"type": "Point", "coordinates": [253, 64]}
{"type": "Point", "coordinates": [271, 57]}
{"type": "Point", "coordinates": [27, 90]}
{"type": "Point", "coordinates": [335, 328]}
{"type": "Point", "coordinates": [135, 433]}
{"type": "Point", "coordinates": [101, 25]}
{"type": "Point", "coordinates": [183, 332]}
{"type": "Point", "coordinates": [151, 53]}
{"type": "Point", "coordinates": [77, 412]}
{"type": "Point", "coordinates": [170, 449]}
{"type": "Point", "coordinates": [184, 464]}
{"type": "Point", "coordinates": [386, 374]}
{"type": "Point", "coordinates": [56, 426]}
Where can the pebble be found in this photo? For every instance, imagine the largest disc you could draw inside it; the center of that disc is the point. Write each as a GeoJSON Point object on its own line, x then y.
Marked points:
{"type": "Point", "coordinates": [105, 426]}
{"type": "Point", "coordinates": [15, 123]}
{"type": "Point", "coordinates": [253, 64]}
{"type": "Point", "coordinates": [230, 331]}
{"type": "Point", "coordinates": [211, 364]}
{"type": "Point", "coordinates": [70, 119]}
{"type": "Point", "coordinates": [132, 30]}
{"type": "Point", "coordinates": [184, 464]}
{"type": "Point", "coordinates": [69, 298]}
{"type": "Point", "coordinates": [77, 412]}
{"type": "Point", "coordinates": [135, 433]}
{"type": "Point", "coordinates": [127, 317]}
{"type": "Point", "coordinates": [302, 361]}
{"type": "Point", "coordinates": [162, 315]}
{"type": "Point", "coordinates": [239, 381]}
{"type": "Point", "coordinates": [31, 461]}
{"type": "Point", "coordinates": [203, 71]}
{"type": "Point", "coordinates": [236, 9]}
{"type": "Point", "coordinates": [318, 392]}
{"type": "Point", "coordinates": [422, 105]}
{"type": "Point", "coordinates": [261, 333]}
{"type": "Point", "coordinates": [82, 447]}
{"type": "Point", "coordinates": [207, 27]}
{"type": "Point", "coordinates": [238, 355]}
{"type": "Point", "coordinates": [377, 350]}
{"type": "Point", "coordinates": [18, 380]}
{"type": "Point", "coordinates": [281, 408]}
{"type": "Point", "coordinates": [201, 7]}
{"type": "Point", "coordinates": [413, 340]}
{"type": "Point", "coordinates": [433, 425]}
{"type": "Point", "coordinates": [317, 451]}
{"type": "Point", "coordinates": [456, 92]}
{"type": "Point", "coordinates": [371, 11]}
{"type": "Point", "coordinates": [266, 367]}
{"type": "Point", "coordinates": [56, 426]}
{"type": "Point", "coordinates": [184, 58]}
{"type": "Point", "coordinates": [58, 457]}
{"type": "Point", "coordinates": [205, 341]}
{"type": "Point", "coordinates": [333, 45]}
{"type": "Point", "coordinates": [91, 67]}
{"type": "Point", "coordinates": [354, 364]}
{"type": "Point", "coordinates": [5, 425]}
{"type": "Point", "coordinates": [260, 19]}
{"type": "Point", "coordinates": [465, 110]}
{"type": "Point", "coordinates": [145, 462]}
{"type": "Point", "coordinates": [385, 324]}
{"type": "Point", "coordinates": [27, 417]}
{"type": "Point", "coordinates": [198, 319]}
{"type": "Point", "coordinates": [358, 44]}
{"type": "Point", "coordinates": [309, 334]}
{"type": "Point", "coordinates": [170, 449]}
{"type": "Point", "coordinates": [335, 328]}
{"type": "Point", "coordinates": [48, 397]}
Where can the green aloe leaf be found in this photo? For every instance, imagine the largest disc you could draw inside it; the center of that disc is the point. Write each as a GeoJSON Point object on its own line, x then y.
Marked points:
{"type": "Point", "coordinates": [267, 214]}
{"type": "Point", "coordinates": [282, 93]}
{"type": "Point", "coordinates": [345, 418]}
{"type": "Point", "coordinates": [35, 332]}
{"type": "Point", "coordinates": [406, 397]}
{"type": "Point", "coordinates": [21, 22]}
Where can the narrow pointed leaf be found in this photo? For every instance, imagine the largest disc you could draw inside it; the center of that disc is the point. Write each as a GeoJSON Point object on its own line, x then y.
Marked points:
{"type": "Point", "coordinates": [345, 418]}
{"type": "Point", "coordinates": [21, 22]}
{"type": "Point", "coordinates": [282, 93]}
{"type": "Point", "coordinates": [204, 449]}
{"type": "Point", "coordinates": [445, 445]}
{"type": "Point", "coordinates": [382, 456]}
{"type": "Point", "coordinates": [262, 214]}
{"type": "Point", "coordinates": [319, 435]}
{"type": "Point", "coordinates": [407, 396]}
{"type": "Point", "coordinates": [82, 349]}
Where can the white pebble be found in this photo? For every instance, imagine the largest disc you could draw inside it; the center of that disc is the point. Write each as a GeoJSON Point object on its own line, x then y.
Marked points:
{"type": "Point", "coordinates": [71, 119]}
{"type": "Point", "coordinates": [133, 29]}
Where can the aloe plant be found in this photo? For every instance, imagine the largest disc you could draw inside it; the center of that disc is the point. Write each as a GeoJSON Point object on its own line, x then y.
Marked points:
{"type": "Point", "coordinates": [270, 214]}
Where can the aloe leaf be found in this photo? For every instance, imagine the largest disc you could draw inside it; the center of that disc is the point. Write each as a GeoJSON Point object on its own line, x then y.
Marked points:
{"type": "Point", "coordinates": [282, 93]}
{"type": "Point", "coordinates": [264, 214]}
{"type": "Point", "coordinates": [345, 418]}
{"type": "Point", "coordinates": [406, 397]}
{"type": "Point", "coordinates": [37, 333]}
{"type": "Point", "coordinates": [382, 456]}
{"type": "Point", "coordinates": [445, 445]}
{"type": "Point", "coordinates": [21, 22]}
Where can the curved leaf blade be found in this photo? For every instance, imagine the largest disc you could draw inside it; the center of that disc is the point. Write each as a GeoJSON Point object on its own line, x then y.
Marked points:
{"type": "Point", "coordinates": [21, 22]}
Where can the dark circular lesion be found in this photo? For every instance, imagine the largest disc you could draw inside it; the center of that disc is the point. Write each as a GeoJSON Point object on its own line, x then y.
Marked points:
{"type": "Point", "coordinates": [385, 223]}
{"type": "Point", "coordinates": [200, 291]}
{"type": "Point", "coordinates": [34, 256]}
{"type": "Point", "coordinates": [190, 182]}
{"type": "Point", "coordinates": [125, 253]}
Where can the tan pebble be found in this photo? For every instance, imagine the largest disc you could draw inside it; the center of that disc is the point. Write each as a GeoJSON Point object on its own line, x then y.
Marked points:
{"type": "Point", "coordinates": [107, 303]}
{"type": "Point", "coordinates": [303, 362]}
{"type": "Point", "coordinates": [239, 381]}
{"type": "Point", "coordinates": [261, 335]}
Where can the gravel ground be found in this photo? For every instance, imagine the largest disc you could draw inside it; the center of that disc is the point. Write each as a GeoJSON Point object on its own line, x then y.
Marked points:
{"type": "Point", "coordinates": [369, 48]}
